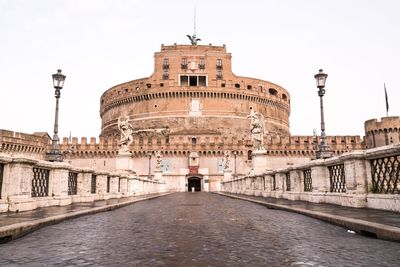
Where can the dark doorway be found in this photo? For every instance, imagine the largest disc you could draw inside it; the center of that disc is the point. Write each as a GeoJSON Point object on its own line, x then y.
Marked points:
{"type": "Point", "coordinates": [194, 182]}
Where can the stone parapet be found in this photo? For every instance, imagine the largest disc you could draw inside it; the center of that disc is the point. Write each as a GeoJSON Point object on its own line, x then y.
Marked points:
{"type": "Point", "coordinates": [368, 178]}
{"type": "Point", "coordinates": [29, 183]}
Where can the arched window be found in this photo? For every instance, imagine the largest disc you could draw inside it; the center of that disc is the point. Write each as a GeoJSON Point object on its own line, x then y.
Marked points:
{"type": "Point", "coordinates": [272, 91]}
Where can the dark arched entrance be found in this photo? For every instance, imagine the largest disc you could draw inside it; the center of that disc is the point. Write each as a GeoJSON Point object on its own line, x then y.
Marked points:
{"type": "Point", "coordinates": [194, 182]}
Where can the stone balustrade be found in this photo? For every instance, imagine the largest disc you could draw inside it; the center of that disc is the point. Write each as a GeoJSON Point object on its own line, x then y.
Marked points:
{"type": "Point", "coordinates": [28, 183]}
{"type": "Point", "coordinates": [368, 178]}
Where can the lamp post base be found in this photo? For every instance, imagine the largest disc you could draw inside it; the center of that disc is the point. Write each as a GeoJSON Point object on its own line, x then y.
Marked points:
{"type": "Point", "coordinates": [324, 154]}
{"type": "Point", "coordinates": [54, 155]}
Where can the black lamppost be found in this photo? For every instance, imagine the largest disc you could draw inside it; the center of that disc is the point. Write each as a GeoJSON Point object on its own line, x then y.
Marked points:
{"type": "Point", "coordinates": [323, 151]}
{"type": "Point", "coordinates": [149, 155]}
{"type": "Point", "coordinates": [55, 154]}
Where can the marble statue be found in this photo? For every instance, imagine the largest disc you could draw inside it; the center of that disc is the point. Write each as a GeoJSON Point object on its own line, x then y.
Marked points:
{"type": "Point", "coordinates": [257, 129]}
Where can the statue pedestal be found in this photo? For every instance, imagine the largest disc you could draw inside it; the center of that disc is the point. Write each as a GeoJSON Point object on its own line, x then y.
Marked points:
{"type": "Point", "coordinates": [123, 162]}
{"type": "Point", "coordinates": [259, 161]}
{"type": "Point", "coordinates": [158, 175]}
{"type": "Point", "coordinates": [227, 175]}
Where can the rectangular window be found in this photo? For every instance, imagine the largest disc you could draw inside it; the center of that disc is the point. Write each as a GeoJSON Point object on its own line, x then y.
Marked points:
{"type": "Point", "coordinates": [219, 63]}
{"type": "Point", "coordinates": [219, 74]}
{"type": "Point", "coordinates": [184, 80]}
{"type": "Point", "coordinates": [166, 63]}
{"type": "Point", "coordinates": [202, 63]}
{"type": "Point", "coordinates": [192, 80]}
{"type": "Point", "coordinates": [165, 74]}
{"type": "Point", "coordinates": [184, 63]}
{"type": "Point", "coordinates": [202, 81]}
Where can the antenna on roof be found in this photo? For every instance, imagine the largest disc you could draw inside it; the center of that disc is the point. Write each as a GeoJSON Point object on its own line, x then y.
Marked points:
{"type": "Point", "coordinates": [193, 39]}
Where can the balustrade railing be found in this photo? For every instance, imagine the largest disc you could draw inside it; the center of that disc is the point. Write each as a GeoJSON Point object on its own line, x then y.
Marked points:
{"type": "Point", "coordinates": [288, 181]}
{"type": "Point", "coordinates": [386, 175]}
{"type": "Point", "coordinates": [93, 184]}
{"type": "Point", "coordinates": [307, 180]}
{"type": "Point", "coordinates": [72, 183]}
{"type": "Point", "coordinates": [337, 178]}
{"type": "Point", "coordinates": [40, 182]}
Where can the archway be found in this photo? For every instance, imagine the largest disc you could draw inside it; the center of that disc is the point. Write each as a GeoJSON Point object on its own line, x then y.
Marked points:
{"type": "Point", "coordinates": [194, 182]}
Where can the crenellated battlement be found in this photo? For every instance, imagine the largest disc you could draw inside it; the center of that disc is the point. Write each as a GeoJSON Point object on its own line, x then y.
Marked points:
{"type": "Point", "coordinates": [300, 146]}
{"type": "Point", "coordinates": [24, 144]}
{"type": "Point", "coordinates": [383, 132]}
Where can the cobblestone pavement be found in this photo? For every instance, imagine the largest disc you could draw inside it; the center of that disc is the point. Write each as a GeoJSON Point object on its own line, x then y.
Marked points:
{"type": "Point", "coordinates": [197, 229]}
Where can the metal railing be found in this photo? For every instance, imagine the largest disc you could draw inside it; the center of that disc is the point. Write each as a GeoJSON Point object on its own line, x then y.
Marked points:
{"type": "Point", "coordinates": [288, 188]}
{"type": "Point", "coordinates": [93, 184]}
{"type": "Point", "coordinates": [72, 183]}
{"type": "Point", "coordinates": [337, 178]}
{"type": "Point", "coordinates": [273, 182]}
{"type": "Point", "coordinates": [40, 182]}
{"type": "Point", "coordinates": [307, 180]}
{"type": "Point", "coordinates": [386, 175]}
{"type": "Point", "coordinates": [108, 184]}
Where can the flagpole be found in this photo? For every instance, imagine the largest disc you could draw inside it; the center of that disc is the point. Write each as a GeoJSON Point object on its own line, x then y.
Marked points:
{"type": "Point", "coordinates": [387, 101]}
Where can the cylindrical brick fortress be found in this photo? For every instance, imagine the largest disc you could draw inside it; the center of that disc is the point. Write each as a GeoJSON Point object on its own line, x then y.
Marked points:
{"type": "Point", "coordinates": [193, 91]}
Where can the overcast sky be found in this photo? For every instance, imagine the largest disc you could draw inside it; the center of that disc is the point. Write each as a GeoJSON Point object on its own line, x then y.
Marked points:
{"type": "Point", "coordinates": [101, 43]}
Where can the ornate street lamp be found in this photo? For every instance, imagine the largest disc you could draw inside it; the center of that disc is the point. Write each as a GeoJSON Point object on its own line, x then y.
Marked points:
{"type": "Point", "coordinates": [55, 154]}
{"type": "Point", "coordinates": [323, 151]}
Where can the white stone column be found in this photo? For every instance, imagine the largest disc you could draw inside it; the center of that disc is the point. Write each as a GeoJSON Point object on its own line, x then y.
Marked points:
{"type": "Point", "coordinates": [268, 185]}
{"type": "Point", "coordinates": [356, 176]}
{"type": "Point", "coordinates": [124, 185]}
{"type": "Point", "coordinates": [158, 175]}
{"type": "Point", "coordinates": [59, 179]}
{"type": "Point", "coordinates": [101, 185]}
{"type": "Point", "coordinates": [259, 162]}
{"type": "Point", "coordinates": [19, 184]}
{"type": "Point", "coordinates": [124, 163]}
{"type": "Point", "coordinates": [258, 186]}
{"type": "Point", "coordinates": [84, 186]}
{"type": "Point", "coordinates": [320, 183]}
{"type": "Point", "coordinates": [227, 175]}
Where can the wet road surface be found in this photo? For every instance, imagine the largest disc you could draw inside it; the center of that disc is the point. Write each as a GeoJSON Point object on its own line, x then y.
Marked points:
{"type": "Point", "coordinates": [197, 229]}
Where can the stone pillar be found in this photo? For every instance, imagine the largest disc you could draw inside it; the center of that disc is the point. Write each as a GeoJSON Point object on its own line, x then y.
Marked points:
{"type": "Point", "coordinates": [268, 184]}
{"type": "Point", "coordinates": [101, 185]}
{"type": "Point", "coordinates": [258, 186]}
{"type": "Point", "coordinates": [320, 183]}
{"type": "Point", "coordinates": [279, 184]}
{"type": "Point", "coordinates": [84, 186]}
{"type": "Point", "coordinates": [123, 162]}
{"type": "Point", "coordinates": [124, 185]}
{"type": "Point", "coordinates": [356, 180]}
{"type": "Point", "coordinates": [259, 161]}
{"type": "Point", "coordinates": [59, 179]}
{"type": "Point", "coordinates": [158, 175]}
{"type": "Point", "coordinates": [227, 175]}
{"type": "Point", "coordinates": [19, 184]}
